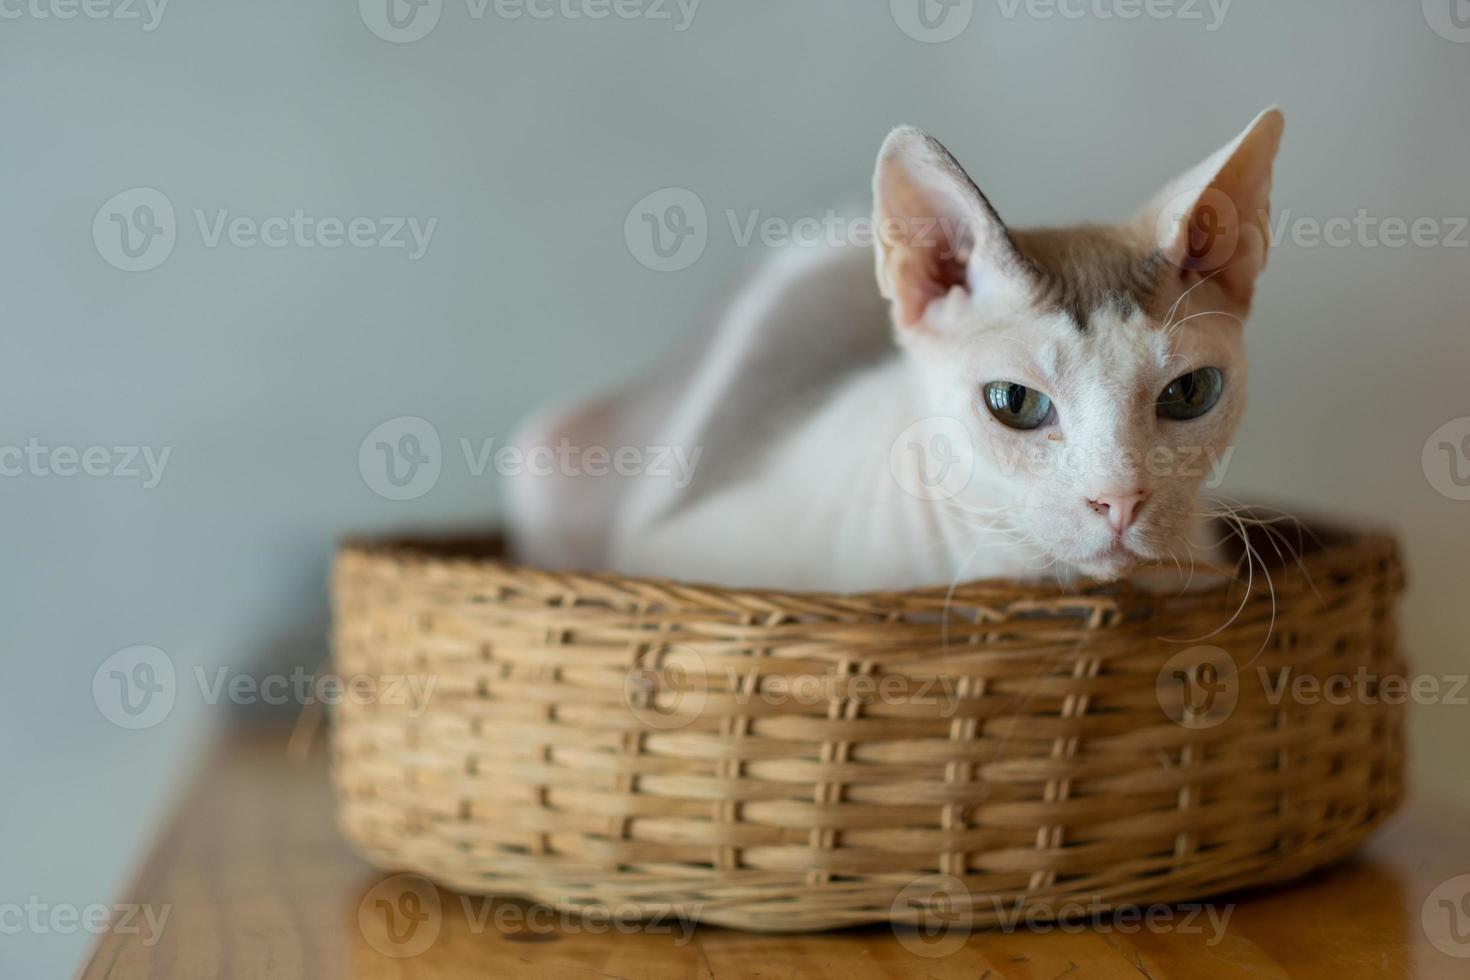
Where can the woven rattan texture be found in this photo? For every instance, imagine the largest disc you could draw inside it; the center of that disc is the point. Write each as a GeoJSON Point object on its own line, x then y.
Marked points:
{"type": "Point", "coordinates": [787, 762]}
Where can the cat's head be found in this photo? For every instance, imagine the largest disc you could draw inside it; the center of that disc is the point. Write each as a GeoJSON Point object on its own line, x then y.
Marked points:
{"type": "Point", "coordinates": [1098, 370]}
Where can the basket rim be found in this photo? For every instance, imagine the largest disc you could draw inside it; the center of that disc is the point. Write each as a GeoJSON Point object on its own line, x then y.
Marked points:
{"type": "Point", "coordinates": [1339, 540]}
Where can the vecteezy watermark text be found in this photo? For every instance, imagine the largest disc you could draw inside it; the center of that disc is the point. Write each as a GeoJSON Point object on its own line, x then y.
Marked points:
{"type": "Point", "coordinates": [403, 916]}
{"type": "Point", "coordinates": [1364, 686]}
{"type": "Point", "coordinates": [303, 230]}
{"type": "Point", "coordinates": [1205, 463]}
{"type": "Point", "coordinates": [1200, 687]}
{"type": "Point", "coordinates": [669, 229]}
{"type": "Point", "coordinates": [302, 687]}
{"type": "Point", "coordinates": [402, 459]}
{"type": "Point", "coordinates": [1363, 229]}
{"type": "Point", "coordinates": [569, 459]}
{"type": "Point", "coordinates": [937, 21]}
{"type": "Point", "coordinates": [934, 915]}
{"type": "Point", "coordinates": [1209, 12]}
{"type": "Point", "coordinates": [406, 21]}
{"type": "Point", "coordinates": [934, 459]}
{"type": "Point", "coordinates": [137, 687]}
{"type": "Point", "coordinates": [35, 459]}
{"type": "Point", "coordinates": [38, 917]}
{"type": "Point", "coordinates": [148, 12]}
{"type": "Point", "coordinates": [673, 692]}
{"type": "Point", "coordinates": [136, 230]}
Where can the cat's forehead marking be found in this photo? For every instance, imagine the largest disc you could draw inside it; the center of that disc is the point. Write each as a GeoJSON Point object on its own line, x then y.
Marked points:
{"type": "Point", "coordinates": [1118, 352]}
{"type": "Point", "coordinates": [1082, 271]}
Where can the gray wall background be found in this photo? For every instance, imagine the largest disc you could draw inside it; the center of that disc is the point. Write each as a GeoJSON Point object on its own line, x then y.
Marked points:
{"type": "Point", "coordinates": [263, 369]}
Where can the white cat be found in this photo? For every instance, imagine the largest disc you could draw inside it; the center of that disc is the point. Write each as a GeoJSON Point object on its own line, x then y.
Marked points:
{"type": "Point", "coordinates": [1051, 406]}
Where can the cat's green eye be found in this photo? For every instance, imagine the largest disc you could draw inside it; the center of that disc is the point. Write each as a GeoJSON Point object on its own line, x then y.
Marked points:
{"type": "Point", "coordinates": [1191, 395]}
{"type": "Point", "coordinates": [1016, 405]}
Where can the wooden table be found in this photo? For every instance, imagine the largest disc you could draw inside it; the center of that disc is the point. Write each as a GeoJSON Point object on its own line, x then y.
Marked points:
{"type": "Point", "coordinates": [251, 879]}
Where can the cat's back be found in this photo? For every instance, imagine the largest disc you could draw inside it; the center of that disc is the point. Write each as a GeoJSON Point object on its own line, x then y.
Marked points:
{"type": "Point", "coordinates": [765, 358]}
{"type": "Point", "coordinates": [769, 357]}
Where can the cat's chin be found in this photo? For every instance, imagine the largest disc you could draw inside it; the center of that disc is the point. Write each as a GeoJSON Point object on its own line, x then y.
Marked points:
{"type": "Point", "coordinates": [1108, 565]}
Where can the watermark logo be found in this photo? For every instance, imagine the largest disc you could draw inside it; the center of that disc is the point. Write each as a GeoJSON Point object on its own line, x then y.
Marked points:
{"type": "Point", "coordinates": [1446, 459]}
{"type": "Point", "coordinates": [932, 21]}
{"type": "Point", "coordinates": [401, 916]}
{"type": "Point", "coordinates": [135, 230]}
{"type": "Point", "coordinates": [1445, 917]}
{"type": "Point", "coordinates": [933, 458]}
{"type": "Point", "coordinates": [1198, 229]}
{"type": "Point", "coordinates": [1450, 19]}
{"type": "Point", "coordinates": [400, 21]}
{"type": "Point", "coordinates": [667, 230]}
{"type": "Point", "coordinates": [401, 459]}
{"type": "Point", "coordinates": [942, 913]}
{"type": "Point", "coordinates": [135, 687]}
{"type": "Point", "coordinates": [670, 693]}
{"type": "Point", "coordinates": [1198, 688]}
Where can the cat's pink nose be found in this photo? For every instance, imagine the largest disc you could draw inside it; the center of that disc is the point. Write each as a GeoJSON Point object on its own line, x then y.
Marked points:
{"type": "Point", "coordinates": [1120, 507]}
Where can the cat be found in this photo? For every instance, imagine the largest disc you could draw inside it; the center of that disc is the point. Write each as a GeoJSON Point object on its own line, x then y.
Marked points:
{"type": "Point", "coordinates": [997, 403]}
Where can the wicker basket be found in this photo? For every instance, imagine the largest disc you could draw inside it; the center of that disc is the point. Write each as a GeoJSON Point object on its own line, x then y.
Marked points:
{"type": "Point", "coordinates": [780, 761]}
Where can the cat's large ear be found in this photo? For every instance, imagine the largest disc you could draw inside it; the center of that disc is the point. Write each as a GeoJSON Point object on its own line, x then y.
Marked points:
{"type": "Point", "coordinates": [935, 231]}
{"type": "Point", "coordinates": [1214, 220]}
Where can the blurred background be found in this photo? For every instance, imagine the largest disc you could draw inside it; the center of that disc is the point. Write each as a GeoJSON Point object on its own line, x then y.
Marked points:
{"type": "Point", "coordinates": [241, 238]}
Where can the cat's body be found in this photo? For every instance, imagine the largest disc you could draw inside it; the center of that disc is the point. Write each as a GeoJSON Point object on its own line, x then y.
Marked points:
{"type": "Point", "coordinates": [814, 502]}
{"type": "Point", "coordinates": [829, 457]}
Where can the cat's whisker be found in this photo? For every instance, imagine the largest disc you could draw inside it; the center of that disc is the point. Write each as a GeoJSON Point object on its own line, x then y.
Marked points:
{"type": "Point", "coordinates": [1230, 316]}
{"type": "Point", "coordinates": [1237, 510]}
{"type": "Point", "coordinates": [1238, 525]}
{"type": "Point", "coordinates": [1237, 507]}
{"type": "Point", "coordinates": [1235, 574]}
{"type": "Point", "coordinates": [1182, 297]}
{"type": "Point", "coordinates": [1189, 549]}
{"type": "Point", "coordinates": [1169, 324]}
